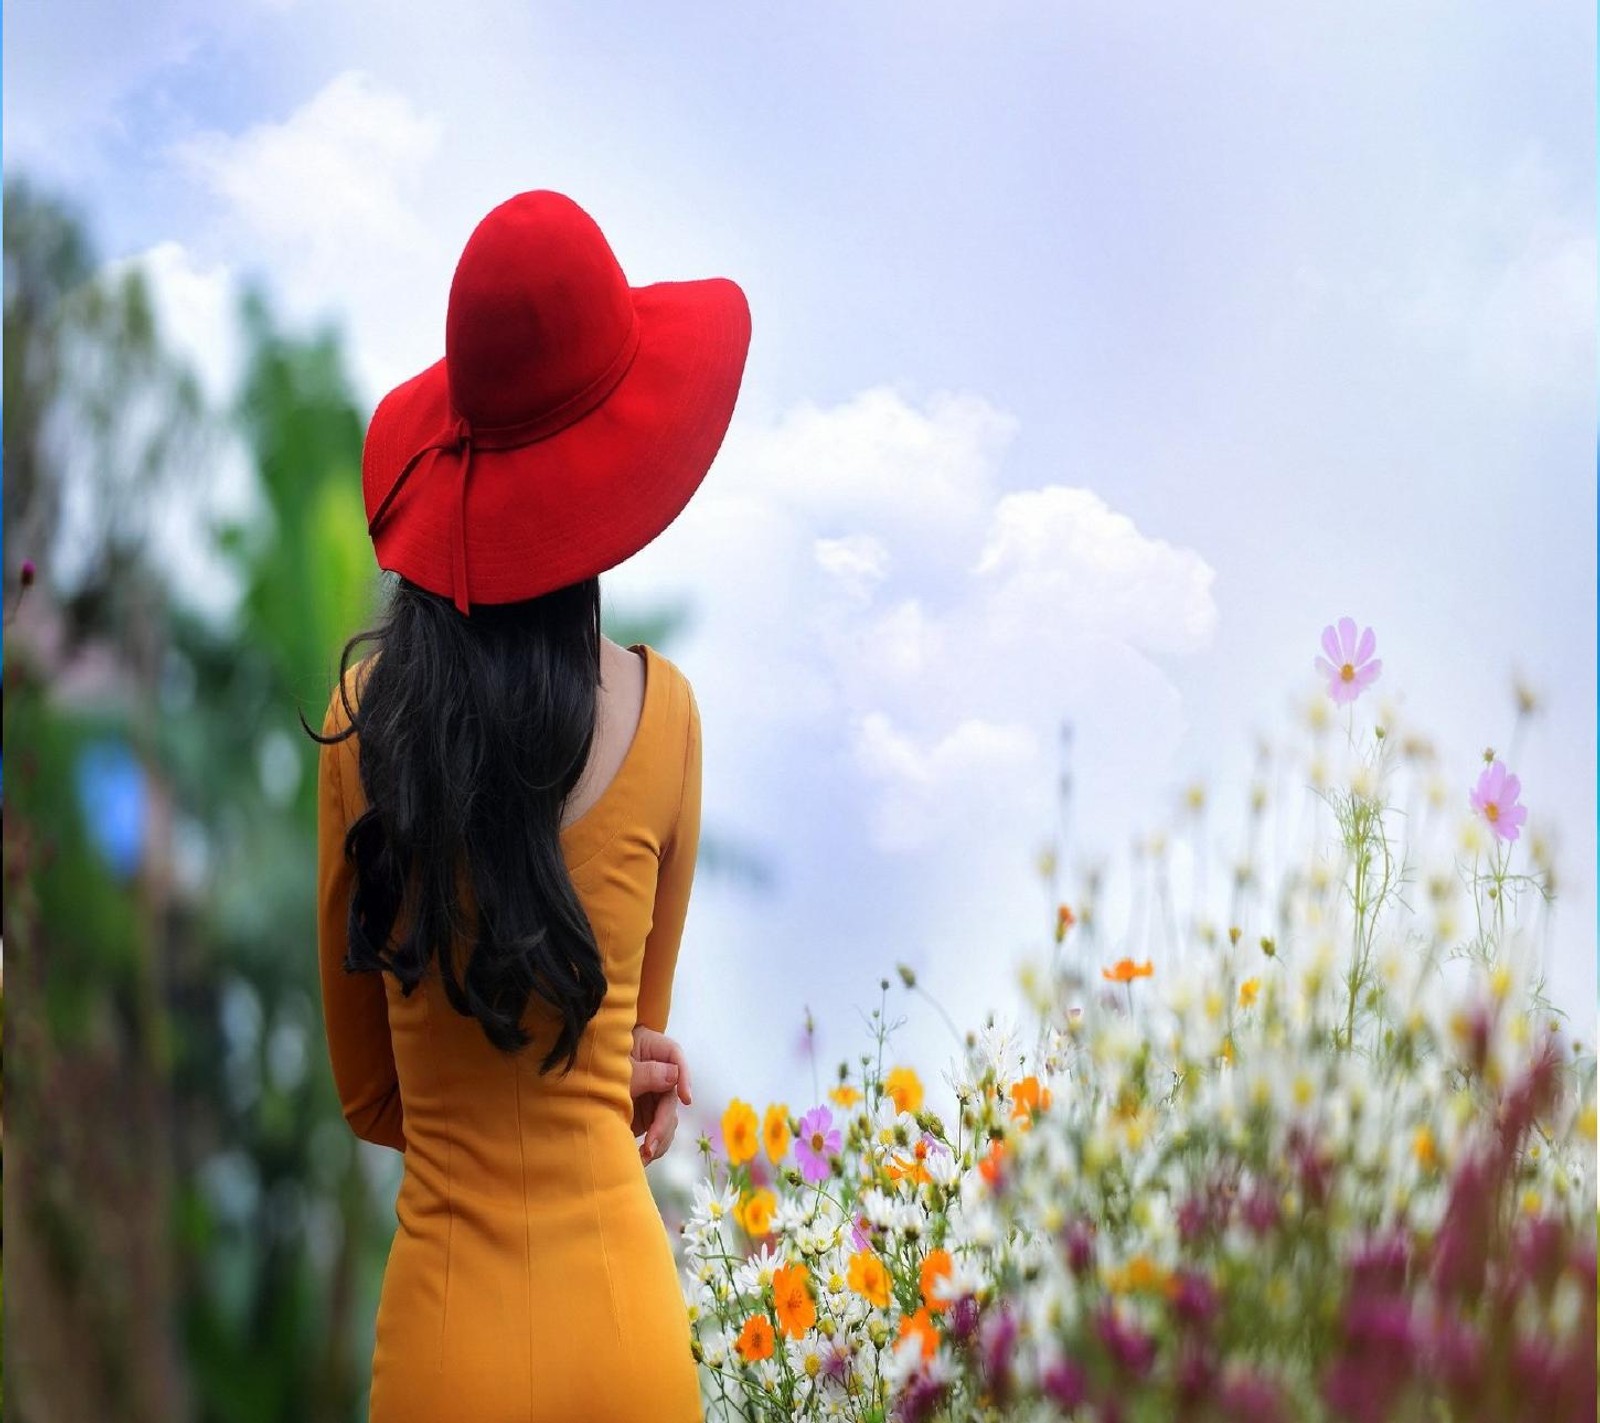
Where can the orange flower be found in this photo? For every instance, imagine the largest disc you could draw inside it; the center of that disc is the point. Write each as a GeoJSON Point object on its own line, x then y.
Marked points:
{"type": "Point", "coordinates": [775, 1131]}
{"type": "Point", "coordinates": [791, 1296]}
{"type": "Point", "coordinates": [905, 1087]}
{"type": "Point", "coordinates": [936, 1267]}
{"type": "Point", "coordinates": [990, 1166]}
{"type": "Point", "coordinates": [921, 1324]}
{"type": "Point", "coordinates": [1028, 1097]}
{"type": "Point", "coordinates": [755, 1339]}
{"type": "Point", "coordinates": [896, 1168]}
{"type": "Point", "coordinates": [1126, 970]}
{"type": "Point", "coordinates": [844, 1095]}
{"type": "Point", "coordinates": [1065, 919]}
{"type": "Point", "coordinates": [1140, 1275]}
{"type": "Point", "coordinates": [868, 1278]}
{"type": "Point", "coordinates": [739, 1131]}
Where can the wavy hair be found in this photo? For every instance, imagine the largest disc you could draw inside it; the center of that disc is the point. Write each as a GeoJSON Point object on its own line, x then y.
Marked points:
{"type": "Point", "coordinates": [474, 730]}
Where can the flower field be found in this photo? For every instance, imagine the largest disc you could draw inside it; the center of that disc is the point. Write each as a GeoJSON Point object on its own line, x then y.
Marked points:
{"type": "Point", "coordinates": [1333, 1162]}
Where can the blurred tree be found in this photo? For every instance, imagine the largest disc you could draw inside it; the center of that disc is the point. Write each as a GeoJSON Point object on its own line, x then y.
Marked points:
{"type": "Point", "coordinates": [87, 385]}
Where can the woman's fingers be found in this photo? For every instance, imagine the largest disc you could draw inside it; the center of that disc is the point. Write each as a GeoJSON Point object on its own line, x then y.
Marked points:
{"type": "Point", "coordinates": [663, 1127]}
{"type": "Point", "coordinates": [685, 1094]}
{"type": "Point", "coordinates": [652, 1076]}
{"type": "Point", "coordinates": [651, 1046]}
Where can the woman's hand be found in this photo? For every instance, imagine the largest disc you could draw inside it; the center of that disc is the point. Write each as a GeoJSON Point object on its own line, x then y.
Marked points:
{"type": "Point", "coordinates": [660, 1081]}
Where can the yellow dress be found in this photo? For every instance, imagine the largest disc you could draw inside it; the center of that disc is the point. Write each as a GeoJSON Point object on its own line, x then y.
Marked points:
{"type": "Point", "coordinates": [530, 1279]}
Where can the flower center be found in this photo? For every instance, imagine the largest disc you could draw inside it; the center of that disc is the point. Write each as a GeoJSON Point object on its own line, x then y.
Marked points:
{"type": "Point", "coordinates": [816, 1141]}
{"type": "Point", "coordinates": [1492, 811]}
{"type": "Point", "coordinates": [1347, 673]}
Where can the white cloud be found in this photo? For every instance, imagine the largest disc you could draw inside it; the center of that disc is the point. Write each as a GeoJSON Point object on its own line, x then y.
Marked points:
{"type": "Point", "coordinates": [1061, 555]}
{"type": "Point", "coordinates": [951, 624]}
{"type": "Point", "coordinates": [1501, 283]}
{"type": "Point", "coordinates": [332, 203]}
{"type": "Point", "coordinates": [930, 788]}
{"type": "Point", "coordinates": [340, 170]}
{"type": "Point", "coordinates": [884, 647]}
{"type": "Point", "coordinates": [859, 562]}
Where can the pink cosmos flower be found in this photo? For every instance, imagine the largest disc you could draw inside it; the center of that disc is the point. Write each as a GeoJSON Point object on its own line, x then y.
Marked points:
{"type": "Point", "coordinates": [1495, 799]}
{"type": "Point", "coordinates": [1349, 666]}
{"type": "Point", "coordinates": [859, 1239]}
{"type": "Point", "coordinates": [818, 1140]}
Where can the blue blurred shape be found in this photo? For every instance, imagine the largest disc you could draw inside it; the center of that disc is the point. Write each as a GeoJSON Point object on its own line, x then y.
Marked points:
{"type": "Point", "coordinates": [113, 795]}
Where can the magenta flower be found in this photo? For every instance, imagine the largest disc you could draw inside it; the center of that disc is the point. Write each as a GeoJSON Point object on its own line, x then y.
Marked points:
{"type": "Point", "coordinates": [1349, 666]}
{"type": "Point", "coordinates": [818, 1140]}
{"type": "Point", "coordinates": [1495, 799]}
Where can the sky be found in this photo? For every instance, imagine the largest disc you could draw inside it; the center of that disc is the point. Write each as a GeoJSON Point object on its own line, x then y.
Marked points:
{"type": "Point", "coordinates": [1103, 354]}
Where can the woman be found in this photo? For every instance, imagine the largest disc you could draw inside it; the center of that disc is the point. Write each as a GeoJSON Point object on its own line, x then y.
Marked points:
{"type": "Point", "coordinates": [510, 812]}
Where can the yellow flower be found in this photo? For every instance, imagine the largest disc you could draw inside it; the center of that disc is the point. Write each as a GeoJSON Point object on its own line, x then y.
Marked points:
{"type": "Point", "coordinates": [1425, 1149]}
{"type": "Point", "coordinates": [844, 1095]}
{"type": "Point", "coordinates": [905, 1087]}
{"type": "Point", "coordinates": [791, 1297]}
{"type": "Point", "coordinates": [775, 1131]}
{"type": "Point", "coordinates": [868, 1278]}
{"type": "Point", "coordinates": [739, 1131]}
{"type": "Point", "coordinates": [754, 1212]}
{"type": "Point", "coordinates": [1248, 990]}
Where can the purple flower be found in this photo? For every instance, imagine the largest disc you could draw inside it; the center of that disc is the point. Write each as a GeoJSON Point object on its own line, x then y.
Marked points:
{"type": "Point", "coordinates": [818, 1140]}
{"type": "Point", "coordinates": [1260, 1211]}
{"type": "Point", "coordinates": [1079, 1241]}
{"type": "Point", "coordinates": [1249, 1398]}
{"type": "Point", "coordinates": [922, 1396]}
{"type": "Point", "coordinates": [1195, 1377]}
{"type": "Point", "coordinates": [998, 1340]}
{"type": "Point", "coordinates": [1349, 666]}
{"type": "Point", "coordinates": [1065, 1384]}
{"type": "Point", "coordinates": [1495, 799]}
{"type": "Point", "coordinates": [859, 1239]}
{"type": "Point", "coordinates": [1376, 1360]}
{"type": "Point", "coordinates": [1132, 1349]}
{"type": "Point", "coordinates": [1193, 1298]}
{"type": "Point", "coordinates": [963, 1318]}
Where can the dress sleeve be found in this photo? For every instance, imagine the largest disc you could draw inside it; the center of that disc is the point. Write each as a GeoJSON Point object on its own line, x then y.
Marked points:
{"type": "Point", "coordinates": [673, 882]}
{"type": "Point", "coordinates": [355, 1010]}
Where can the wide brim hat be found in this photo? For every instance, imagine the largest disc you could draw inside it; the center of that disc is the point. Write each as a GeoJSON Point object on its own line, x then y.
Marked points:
{"type": "Point", "coordinates": [569, 422]}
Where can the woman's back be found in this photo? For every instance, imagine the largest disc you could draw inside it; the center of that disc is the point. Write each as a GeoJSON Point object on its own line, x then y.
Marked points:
{"type": "Point", "coordinates": [525, 1224]}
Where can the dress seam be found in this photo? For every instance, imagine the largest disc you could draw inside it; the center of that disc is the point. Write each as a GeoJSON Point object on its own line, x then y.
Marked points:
{"type": "Point", "coordinates": [527, 1227]}
{"type": "Point", "coordinates": [449, 1182]}
{"type": "Point", "coordinates": [594, 1197]}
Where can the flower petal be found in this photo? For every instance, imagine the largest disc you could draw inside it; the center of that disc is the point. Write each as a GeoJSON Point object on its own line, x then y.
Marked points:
{"type": "Point", "coordinates": [1369, 640]}
{"type": "Point", "coordinates": [1347, 639]}
{"type": "Point", "coordinates": [1330, 645]}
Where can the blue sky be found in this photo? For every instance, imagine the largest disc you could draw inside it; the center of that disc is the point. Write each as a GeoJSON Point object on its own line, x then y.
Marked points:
{"type": "Point", "coordinates": [1102, 355]}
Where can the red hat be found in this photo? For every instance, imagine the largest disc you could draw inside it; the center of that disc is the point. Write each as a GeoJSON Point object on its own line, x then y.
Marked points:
{"type": "Point", "coordinates": [568, 423]}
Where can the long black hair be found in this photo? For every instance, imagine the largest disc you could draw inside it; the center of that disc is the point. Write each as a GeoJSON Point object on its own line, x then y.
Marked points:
{"type": "Point", "coordinates": [473, 732]}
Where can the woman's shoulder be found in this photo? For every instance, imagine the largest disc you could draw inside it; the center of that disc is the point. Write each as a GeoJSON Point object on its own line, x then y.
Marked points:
{"type": "Point", "coordinates": [672, 693]}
